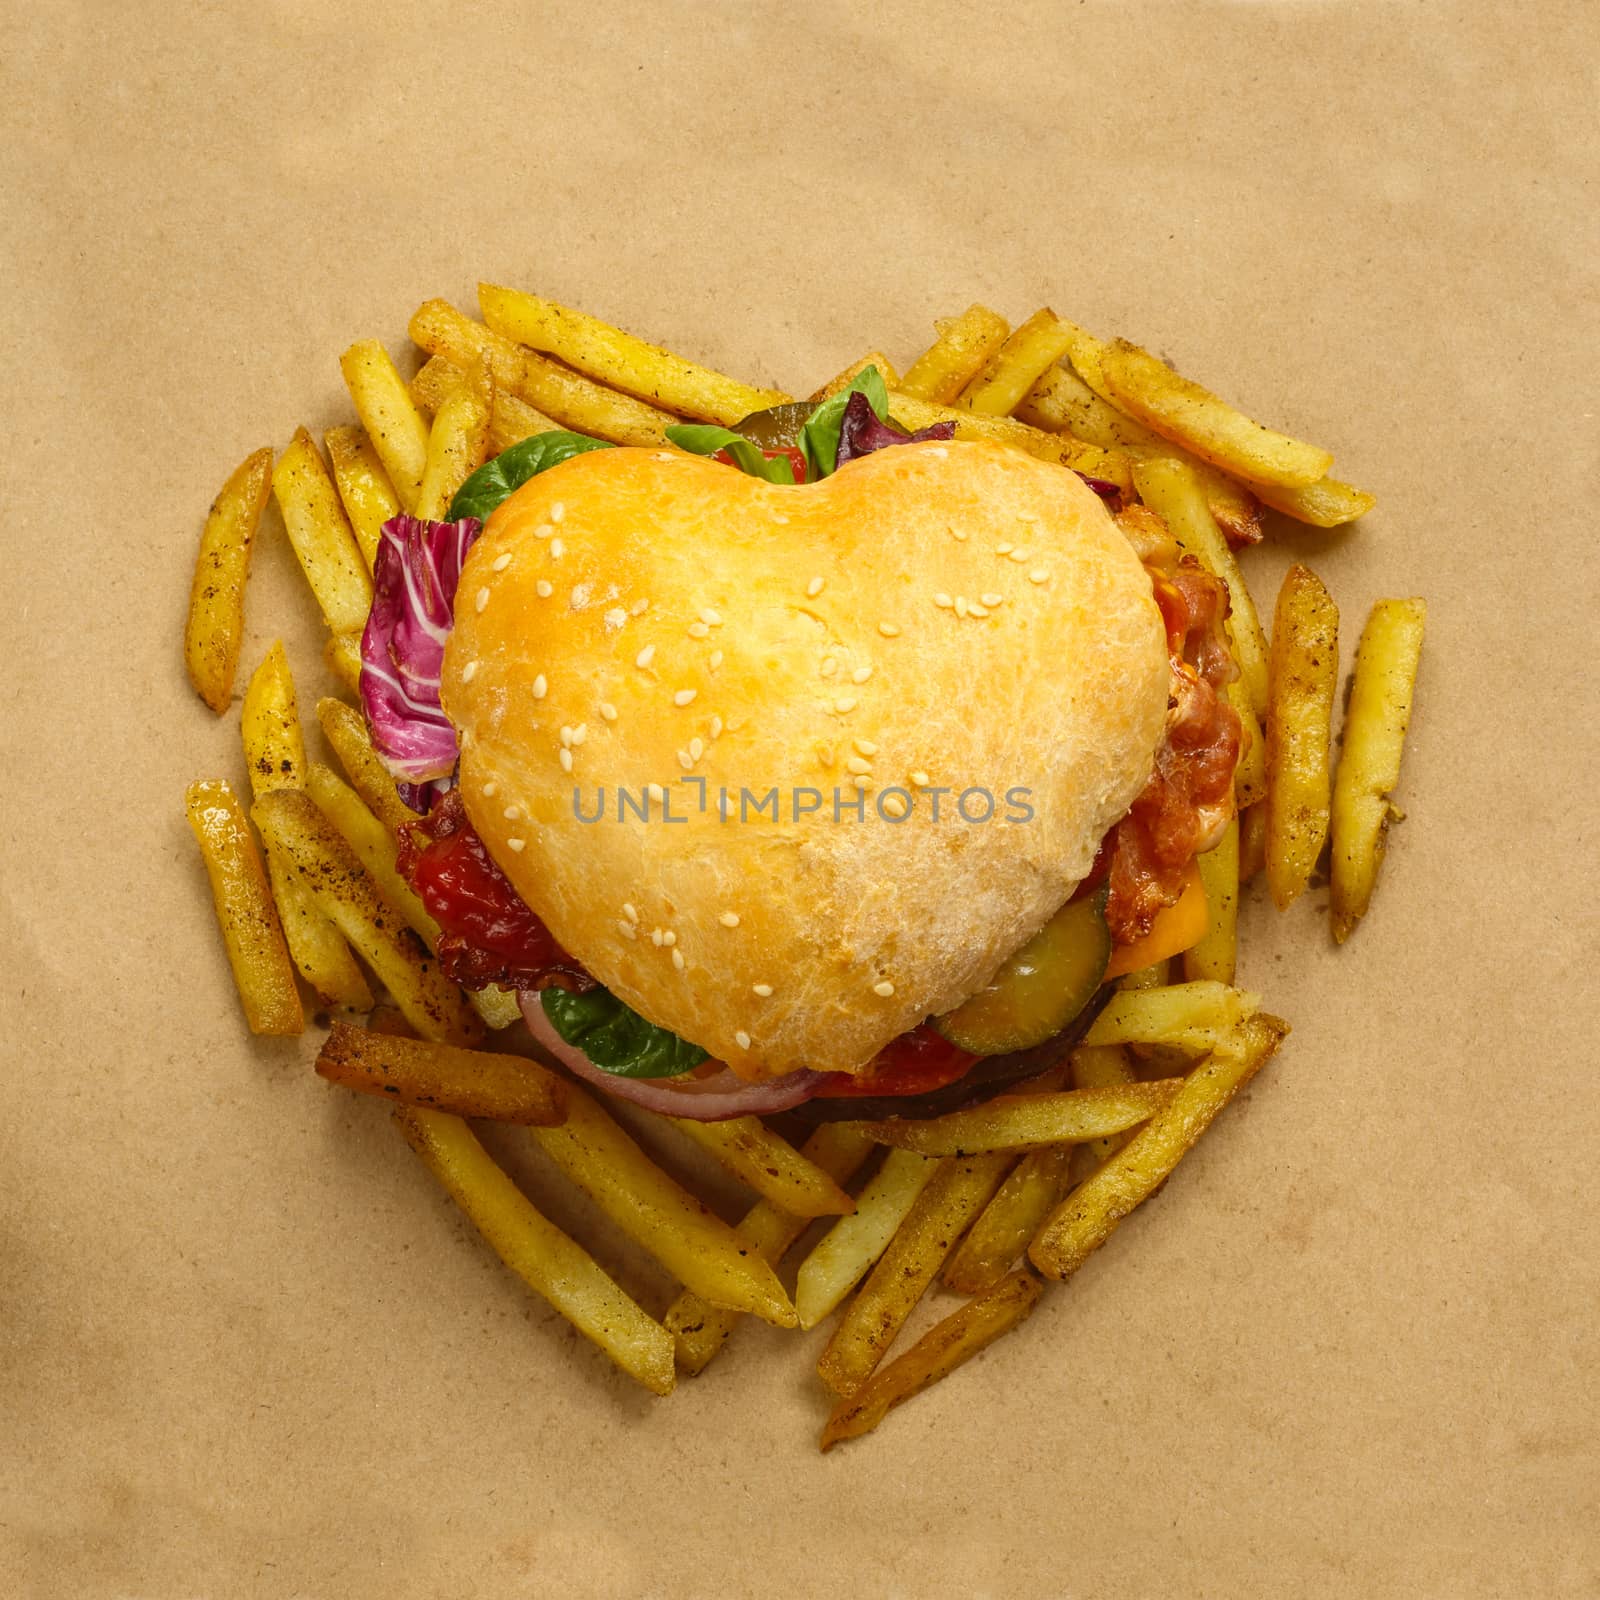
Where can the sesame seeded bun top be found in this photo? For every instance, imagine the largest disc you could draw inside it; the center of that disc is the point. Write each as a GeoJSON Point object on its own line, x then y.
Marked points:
{"type": "Point", "coordinates": [954, 624]}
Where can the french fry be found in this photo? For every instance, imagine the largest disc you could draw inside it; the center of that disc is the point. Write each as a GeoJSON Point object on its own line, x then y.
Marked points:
{"type": "Point", "coordinates": [514, 420]}
{"type": "Point", "coordinates": [466, 1083]}
{"type": "Point", "coordinates": [393, 423]}
{"type": "Point", "coordinates": [1087, 1217]}
{"type": "Point", "coordinates": [1094, 1066]}
{"type": "Point", "coordinates": [1327, 503]}
{"type": "Point", "coordinates": [1015, 367]}
{"type": "Point", "coordinates": [435, 381]}
{"type": "Point", "coordinates": [769, 1164]}
{"type": "Point", "coordinates": [1305, 674]}
{"type": "Point", "coordinates": [346, 731]}
{"type": "Point", "coordinates": [944, 1347]}
{"type": "Point", "coordinates": [699, 1329]}
{"type": "Point", "coordinates": [843, 380]}
{"type": "Point", "coordinates": [214, 630]}
{"type": "Point", "coordinates": [457, 446]}
{"type": "Point", "coordinates": [269, 726]}
{"type": "Point", "coordinates": [1009, 1221]}
{"type": "Point", "coordinates": [1250, 776]}
{"type": "Point", "coordinates": [367, 495]}
{"type": "Point", "coordinates": [1252, 841]}
{"type": "Point", "coordinates": [250, 929]}
{"type": "Point", "coordinates": [957, 1192]}
{"type": "Point", "coordinates": [842, 1257]}
{"type": "Point", "coordinates": [551, 1264]}
{"type": "Point", "coordinates": [1216, 955]}
{"type": "Point", "coordinates": [1193, 1017]}
{"type": "Point", "coordinates": [1179, 409]}
{"type": "Point", "coordinates": [1152, 977]}
{"type": "Point", "coordinates": [341, 655]}
{"type": "Point", "coordinates": [327, 549]}
{"type": "Point", "coordinates": [1170, 490]}
{"type": "Point", "coordinates": [1375, 726]}
{"type": "Point", "coordinates": [957, 356]}
{"type": "Point", "coordinates": [347, 896]}
{"type": "Point", "coordinates": [572, 399]}
{"type": "Point", "coordinates": [620, 360]}
{"type": "Point", "coordinates": [1027, 1121]}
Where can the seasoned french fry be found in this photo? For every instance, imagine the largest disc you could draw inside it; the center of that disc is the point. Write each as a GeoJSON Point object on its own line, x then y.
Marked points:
{"type": "Point", "coordinates": [1187, 1016]}
{"type": "Point", "coordinates": [1015, 367]}
{"type": "Point", "coordinates": [1011, 1219]}
{"type": "Point", "coordinates": [958, 1191]}
{"type": "Point", "coordinates": [364, 489]}
{"type": "Point", "coordinates": [699, 1329]}
{"type": "Point", "coordinates": [514, 420]}
{"type": "Point", "coordinates": [393, 423]}
{"type": "Point", "coordinates": [550, 1263]}
{"type": "Point", "coordinates": [1252, 841]}
{"type": "Point", "coordinates": [341, 655]}
{"type": "Point", "coordinates": [573, 400]}
{"type": "Point", "coordinates": [436, 380]}
{"type": "Point", "coordinates": [1305, 674]}
{"type": "Point", "coordinates": [466, 1083]}
{"type": "Point", "coordinates": [1095, 1066]}
{"type": "Point", "coordinates": [347, 896]}
{"type": "Point", "coordinates": [1217, 953]}
{"type": "Point", "coordinates": [457, 446]}
{"type": "Point", "coordinates": [1170, 490]}
{"type": "Point", "coordinates": [250, 929]}
{"type": "Point", "coordinates": [1327, 503]}
{"type": "Point", "coordinates": [214, 631]}
{"type": "Point", "coordinates": [327, 549]}
{"type": "Point", "coordinates": [620, 360]}
{"type": "Point", "coordinates": [843, 380]}
{"type": "Point", "coordinates": [842, 1256]}
{"type": "Point", "coordinates": [346, 730]}
{"type": "Point", "coordinates": [957, 356]}
{"type": "Point", "coordinates": [1375, 726]}
{"type": "Point", "coordinates": [944, 1347]}
{"type": "Point", "coordinates": [754, 1154]}
{"type": "Point", "coordinates": [269, 726]}
{"type": "Point", "coordinates": [1179, 409]}
{"type": "Point", "coordinates": [1087, 1217]}
{"type": "Point", "coordinates": [1250, 776]}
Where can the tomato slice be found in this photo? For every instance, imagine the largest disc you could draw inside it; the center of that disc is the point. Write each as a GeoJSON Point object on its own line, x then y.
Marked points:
{"type": "Point", "coordinates": [912, 1064]}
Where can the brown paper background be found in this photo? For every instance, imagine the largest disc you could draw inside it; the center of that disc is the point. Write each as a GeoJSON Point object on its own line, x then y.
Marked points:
{"type": "Point", "coordinates": [246, 1349]}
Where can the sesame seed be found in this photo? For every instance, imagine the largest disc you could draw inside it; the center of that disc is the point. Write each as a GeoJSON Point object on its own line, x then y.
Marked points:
{"type": "Point", "coordinates": [829, 666]}
{"type": "Point", "coordinates": [814, 588]}
{"type": "Point", "coordinates": [697, 748]}
{"type": "Point", "coordinates": [627, 930]}
{"type": "Point", "coordinates": [991, 599]}
{"type": "Point", "coordinates": [712, 619]}
{"type": "Point", "coordinates": [938, 452]}
{"type": "Point", "coordinates": [861, 674]}
{"type": "Point", "coordinates": [1039, 575]}
{"type": "Point", "coordinates": [517, 844]}
{"type": "Point", "coordinates": [943, 601]}
{"type": "Point", "coordinates": [544, 588]}
{"type": "Point", "coordinates": [566, 738]}
{"type": "Point", "coordinates": [639, 607]}
{"type": "Point", "coordinates": [1021, 555]}
{"type": "Point", "coordinates": [669, 937]}
{"type": "Point", "coordinates": [959, 535]}
{"type": "Point", "coordinates": [862, 781]}
{"type": "Point", "coordinates": [762, 989]}
{"type": "Point", "coordinates": [716, 659]}
{"type": "Point", "coordinates": [608, 711]}
{"type": "Point", "coordinates": [645, 657]}
{"type": "Point", "coordinates": [975, 610]}
{"type": "Point", "coordinates": [511, 813]}
{"type": "Point", "coordinates": [742, 1039]}
{"type": "Point", "coordinates": [961, 605]}
{"type": "Point", "coordinates": [685, 760]}
{"type": "Point", "coordinates": [677, 960]}
{"type": "Point", "coordinates": [895, 805]}
{"type": "Point", "coordinates": [629, 911]}
{"type": "Point", "coordinates": [716, 727]}
{"type": "Point", "coordinates": [778, 516]}
{"type": "Point", "coordinates": [698, 630]}
{"type": "Point", "coordinates": [543, 531]}
{"type": "Point", "coordinates": [482, 599]}
{"type": "Point", "coordinates": [656, 937]}
{"type": "Point", "coordinates": [890, 630]}
{"type": "Point", "coordinates": [469, 672]}
{"type": "Point", "coordinates": [684, 696]}
{"type": "Point", "coordinates": [729, 919]}
{"type": "Point", "coordinates": [920, 779]}
{"type": "Point", "coordinates": [654, 791]}
{"type": "Point", "coordinates": [579, 597]}
{"type": "Point", "coordinates": [566, 759]}
{"type": "Point", "coordinates": [885, 989]}
{"type": "Point", "coordinates": [825, 754]}
{"type": "Point", "coordinates": [501, 562]}
{"type": "Point", "coordinates": [858, 764]}
{"type": "Point", "coordinates": [1004, 549]}
{"type": "Point", "coordinates": [557, 549]}
{"type": "Point", "coordinates": [558, 511]}
{"type": "Point", "coordinates": [540, 687]}
{"type": "Point", "coordinates": [615, 617]}
{"type": "Point", "coordinates": [490, 790]}
{"type": "Point", "coordinates": [865, 746]}
{"type": "Point", "coordinates": [845, 703]}
{"type": "Point", "coordinates": [579, 734]}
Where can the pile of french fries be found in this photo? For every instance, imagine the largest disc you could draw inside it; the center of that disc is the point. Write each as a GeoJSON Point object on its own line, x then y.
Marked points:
{"type": "Point", "coordinates": [990, 1202]}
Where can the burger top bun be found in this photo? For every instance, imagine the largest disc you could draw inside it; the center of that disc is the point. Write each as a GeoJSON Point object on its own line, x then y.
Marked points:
{"type": "Point", "coordinates": [796, 676]}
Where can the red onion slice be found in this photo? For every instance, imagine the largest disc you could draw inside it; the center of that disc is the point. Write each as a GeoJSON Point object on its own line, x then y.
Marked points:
{"type": "Point", "coordinates": [714, 1098]}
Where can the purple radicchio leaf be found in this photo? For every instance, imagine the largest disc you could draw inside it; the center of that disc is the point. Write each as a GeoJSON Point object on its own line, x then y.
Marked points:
{"type": "Point", "coordinates": [1107, 491]}
{"type": "Point", "coordinates": [402, 649]}
{"type": "Point", "coordinates": [861, 433]}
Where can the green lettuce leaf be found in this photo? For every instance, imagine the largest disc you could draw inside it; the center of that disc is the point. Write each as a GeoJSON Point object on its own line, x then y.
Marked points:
{"type": "Point", "coordinates": [819, 439]}
{"type": "Point", "coordinates": [706, 439]}
{"type": "Point", "coordinates": [512, 468]}
{"type": "Point", "coordinates": [616, 1039]}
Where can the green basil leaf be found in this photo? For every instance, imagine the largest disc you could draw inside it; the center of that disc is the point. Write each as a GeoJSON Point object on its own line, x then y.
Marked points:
{"type": "Point", "coordinates": [616, 1039]}
{"type": "Point", "coordinates": [819, 439]}
{"type": "Point", "coordinates": [512, 468]}
{"type": "Point", "coordinates": [706, 439]}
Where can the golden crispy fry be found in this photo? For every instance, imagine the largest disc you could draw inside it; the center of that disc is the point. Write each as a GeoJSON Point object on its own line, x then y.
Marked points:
{"type": "Point", "coordinates": [327, 549]}
{"type": "Point", "coordinates": [958, 1191]}
{"type": "Point", "coordinates": [1086, 1218]}
{"type": "Point", "coordinates": [436, 380]}
{"type": "Point", "coordinates": [620, 360]}
{"type": "Point", "coordinates": [364, 489]}
{"type": "Point", "coordinates": [1011, 1219]}
{"type": "Point", "coordinates": [1187, 1016]}
{"type": "Point", "coordinates": [1095, 1066]}
{"type": "Point", "coordinates": [346, 730]}
{"type": "Point", "coordinates": [467, 1083]}
{"type": "Point", "coordinates": [1305, 674]}
{"type": "Point", "coordinates": [215, 627]}
{"type": "Point", "coordinates": [550, 1263]}
{"type": "Point", "coordinates": [1026, 1121]}
{"type": "Point", "coordinates": [1252, 841]}
{"type": "Point", "coordinates": [698, 1248]}
{"type": "Point", "coordinates": [573, 400]}
{"type": "Point", "coordinates": [1170, 490]}
{"type": "Point", "coordinates": [842, 1256]}
{"type": "Point", "coordinates": [699, 1330]}
{"type": "Point", "coordinates": [513, 421]}
{"type": "Point", "coordinates": [457, 446]}
{"type": "Point", "coordinates": [347, 896]}
{"type": "Point", "coordinates": [1327, 503]}
{"type": "Point", "coordinates": [769, 1164]}
{"type": "Point", "coordinates": [498, 1007]}
{"type": "Point", "coordinates": [961, 351]}
{"type": "Point", "coordinates": [1250, 776]}
{"type": "Point", "coordinates": [843, 380]}
{"type": "Point", "coordinates": [250, 929]}
{"type": "Point", "coordinates": [944, 1347]}
{"type": "Point", "coordinates": [393, 423]}
{"type": "Point", "coordinates": [1217, 953]}
{"type": "Point", "coordinates": [341, 655]}
{"type": "Point", "coordinates": [1015, 367]}
{"type": "Point", "coordinates": [1375, 727]}
{"type": "Point", "coordinates": [320, 953]}
{"type": "Point", "coordinates": [269, 725]}
{"type": "Point", "coordinates": [1152, 393]}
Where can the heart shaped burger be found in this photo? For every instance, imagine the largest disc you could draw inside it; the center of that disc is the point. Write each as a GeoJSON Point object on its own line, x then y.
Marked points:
{"type": "Point", "coordinates": [789, 769]}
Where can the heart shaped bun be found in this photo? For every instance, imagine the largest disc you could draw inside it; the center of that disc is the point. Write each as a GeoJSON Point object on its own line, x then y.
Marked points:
{"type": "Point", "coordinates": [958, 625]}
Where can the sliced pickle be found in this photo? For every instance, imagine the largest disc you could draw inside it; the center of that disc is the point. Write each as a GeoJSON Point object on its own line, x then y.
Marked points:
{"type": "Point", "coordinates": [1041, 988]}
{"type": "Point", "coordinates": [779, 428]}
